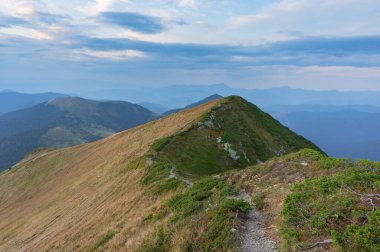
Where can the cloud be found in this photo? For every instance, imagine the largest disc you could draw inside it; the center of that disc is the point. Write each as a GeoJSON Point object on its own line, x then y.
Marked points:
{"type": "Point", "coordinates": [351, 63]}
{"type": "Point", "coordinates": [293, 18]}
{"type": "Point", "coordinates": [189, 3]}
{"type": "Point", "coordinates": [18, 8]}
{"type": "Point", "coordinates": [26, 32]}
{"type": "Point", "coordinates": [8, 21]}
{"type": "Point", "coordinates": [134, 21]}
{"type": "Point", "coordinates": [116, 55]}
{"type": "Point", "coordinates": [49, 18]}
{"type": "Point", "coordinates": [355, 51]}
{"type": "Point", "coordinates": [95, 7]}
{"type": "Point", "coordinates": [35, 25]}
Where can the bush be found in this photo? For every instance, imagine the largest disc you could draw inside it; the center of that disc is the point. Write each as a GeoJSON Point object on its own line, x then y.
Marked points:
{"type": "Point", "coordinates": [192, 201]}
{"type": "Point", "coordinates": [336, 163]}
{"type": "Point", "coordinates": [333, 206]}
{"type": "Point", "coordinates": [236, 205]}
{"type": "Point", "coordinates": [259, 200]}
{"type": "Point", "coordinates": [361, 238]}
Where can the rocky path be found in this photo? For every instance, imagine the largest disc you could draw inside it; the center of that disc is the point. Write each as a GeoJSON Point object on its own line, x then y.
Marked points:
{"type": "Point", "coordinates": [173, 175]}
{"type": "Point", "coordinates": [252, 235]}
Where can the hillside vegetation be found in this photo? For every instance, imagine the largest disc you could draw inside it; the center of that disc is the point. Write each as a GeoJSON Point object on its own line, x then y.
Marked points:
{"type": "Point", "coordinates": [176, 184]}
{"type": "Point", "coordinates": [313, 201]}
{"type": "Point", "coordinates": [233, 134]}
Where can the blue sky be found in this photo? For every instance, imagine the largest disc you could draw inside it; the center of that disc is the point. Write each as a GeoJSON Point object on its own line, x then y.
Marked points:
{"type": "Point", "coordinates": [76, 45]}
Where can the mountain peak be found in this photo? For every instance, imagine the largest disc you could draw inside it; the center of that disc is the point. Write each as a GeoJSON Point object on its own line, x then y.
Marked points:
{"type": "Point", "coordinates": [232, 134]}
{"type": "Point", "coordinates": [205, 100]}
{"type": "Point", "coordinates": [64, 101]}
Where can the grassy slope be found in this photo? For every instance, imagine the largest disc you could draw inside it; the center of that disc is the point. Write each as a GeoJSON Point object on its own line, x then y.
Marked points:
{"type": "Point", "coordinates": [196, 219]}
{"type": "Point", "coordinates": [85, 196]}
{"type": "Point", "coordinates": [307, 197]}
{"type": "Point", "coordinates": [252, 134]}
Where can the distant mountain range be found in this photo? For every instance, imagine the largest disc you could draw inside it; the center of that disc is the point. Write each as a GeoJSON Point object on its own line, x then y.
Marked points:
{"type": "Point", "coordinates": [179, 96]}
{"type": "Point", "coordinates": [64, 122]}
{"type": "Point", "coordinates": [156, 108]}
{"type": "Point", "coordinates": [321, 108]}
{"type": "Point", "coordinates": [339, 114]}
{"type": "Point", "coordinates": [11, 100]}
{"type": "Point", "coordinates": [338, 131]}
{"type": "Point", "coordinates": [193, 105]}
{"type": "Point", "coordinates": [342, 123]}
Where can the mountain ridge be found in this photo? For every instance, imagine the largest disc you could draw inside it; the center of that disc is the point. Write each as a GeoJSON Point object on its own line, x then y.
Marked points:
{"type": "Point", "coordinates": [126, 192]}
{"type": "Point", "coordinates": [77, 181]}
{"type": "Point", "coordinates": [180, 95]}
{"type": "Point", "coordinates": [13, 100]}
{"type": "Point", "coordinates": [195, 104]}
{"type": "Point", "coordinates": [64, 122]}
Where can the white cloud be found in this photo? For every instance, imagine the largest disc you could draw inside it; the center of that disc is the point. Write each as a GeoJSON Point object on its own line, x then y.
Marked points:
{"type": "Point", "coordinates": [97, 6]}
{"type": "Point", "coordinates": [310, 18]}
{"type": "Point", "coordinates": [26, 32]}
{"type": "Point", "coordinates": [17, 7]}
{"type": "Point", "coordinates": [188, 3]}
{"type": "Point", "coordinates": [116, 55]}
{"type": "Point", "coordinates": [311, 77]}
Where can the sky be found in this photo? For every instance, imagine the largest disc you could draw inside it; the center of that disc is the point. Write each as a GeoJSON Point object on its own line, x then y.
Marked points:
{"type": "Point", "coordinates": [74, 46]}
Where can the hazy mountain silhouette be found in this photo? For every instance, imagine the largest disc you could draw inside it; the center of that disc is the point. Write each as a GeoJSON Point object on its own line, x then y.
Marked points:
{"type": "Point", "coordinates": [11, 100]}
{"type": "Point", "coordinates": [64, 122]}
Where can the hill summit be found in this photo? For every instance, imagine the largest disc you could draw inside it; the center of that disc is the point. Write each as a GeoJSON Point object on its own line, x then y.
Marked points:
{"type": "Point", "coordinates": [131, 191]}
{"type": "Point", "coordinates": [232, 134]}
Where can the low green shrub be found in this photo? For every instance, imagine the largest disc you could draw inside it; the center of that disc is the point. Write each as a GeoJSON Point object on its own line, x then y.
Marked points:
{"type": "Point", "coordinates": [334, 206]}
{"type": "Point", "coordinates": [336, 163]}
{"type": "Point", "coordinates": [235, 205]}
{"type": "Point", "coordinates": [258, 200]}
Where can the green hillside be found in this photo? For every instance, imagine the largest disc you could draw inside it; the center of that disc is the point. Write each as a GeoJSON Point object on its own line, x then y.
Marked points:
{"type": "Point", "coordinates": [234, 134]}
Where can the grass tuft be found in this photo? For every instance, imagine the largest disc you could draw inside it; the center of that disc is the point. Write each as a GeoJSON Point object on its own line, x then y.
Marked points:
{"type": "Point", "coordinates": [102, 241]}
{"type": "Point", "coordinates": [258, 200]}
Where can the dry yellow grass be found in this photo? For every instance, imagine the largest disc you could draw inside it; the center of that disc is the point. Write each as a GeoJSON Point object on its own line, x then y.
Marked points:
{"type": "Point", "coordinates": [68, 199]}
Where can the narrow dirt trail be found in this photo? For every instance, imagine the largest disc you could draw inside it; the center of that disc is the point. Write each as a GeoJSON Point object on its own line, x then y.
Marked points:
{"type": "Point", "coordinates": [173, 175]}
{"type": "Point", "coordinates": [252, 234]}
{"type": "Point", "coordinates": [253, 237]}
